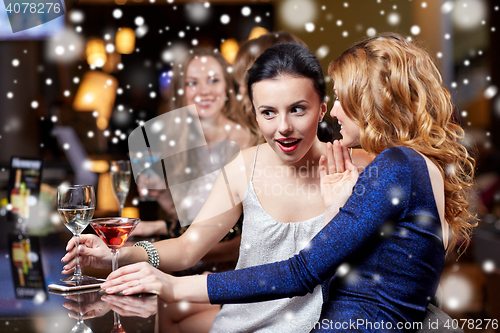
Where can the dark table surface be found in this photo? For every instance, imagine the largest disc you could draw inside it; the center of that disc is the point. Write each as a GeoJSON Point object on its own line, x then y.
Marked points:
{"type": "Point", "coordinates": [52, 312]}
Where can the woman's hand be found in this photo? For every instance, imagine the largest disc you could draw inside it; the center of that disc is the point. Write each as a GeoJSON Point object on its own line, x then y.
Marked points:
{"type": "Point", "coordinates": [338, 176]}
{"type": "Point", "coordinates": [86, 308]}
{"type": "Point", "coordinates": [139, 278]}
{"type": "Point", "coordinates": [132, 306]}
{"type": "Point", "coordinates": [92, 251]}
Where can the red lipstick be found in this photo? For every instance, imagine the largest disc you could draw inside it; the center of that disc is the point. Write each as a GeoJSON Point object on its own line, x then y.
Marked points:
{"type": "Point", "coordinates": [288, 144]}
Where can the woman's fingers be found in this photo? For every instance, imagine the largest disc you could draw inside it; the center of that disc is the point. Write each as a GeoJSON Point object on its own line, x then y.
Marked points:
{"type": "Point", "coordinates": [322, 167]}
{"type": "Point", "coordinates": [134, 279]}
{"type": "Point", "coordinates": [330, 159]}
{"type": "Point", "coordinates": [338, 156]}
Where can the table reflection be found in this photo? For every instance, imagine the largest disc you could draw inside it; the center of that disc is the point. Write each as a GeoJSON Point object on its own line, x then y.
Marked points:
{"type": "Point", "coordinates": [46, 311]}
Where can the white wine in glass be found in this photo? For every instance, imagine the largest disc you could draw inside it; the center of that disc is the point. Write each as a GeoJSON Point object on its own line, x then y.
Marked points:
{"type": "Point", "coordinates": [120, 180]}
{"type": "Point", "coordinates": [76, 205]}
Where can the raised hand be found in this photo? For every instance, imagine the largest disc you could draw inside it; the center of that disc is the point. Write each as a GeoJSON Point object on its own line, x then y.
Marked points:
{"type": "Point", "coordinates": [92, 250]}
{"type": "Point", "coordinates": [337, 177]}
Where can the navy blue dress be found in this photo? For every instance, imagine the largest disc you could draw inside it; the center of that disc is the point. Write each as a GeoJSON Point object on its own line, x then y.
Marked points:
{"type": "Point", "coordinates": [379, 259]}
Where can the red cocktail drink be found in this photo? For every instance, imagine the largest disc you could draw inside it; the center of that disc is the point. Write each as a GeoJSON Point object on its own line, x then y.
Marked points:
{"type": "Point", "coordinates": [114, 231]}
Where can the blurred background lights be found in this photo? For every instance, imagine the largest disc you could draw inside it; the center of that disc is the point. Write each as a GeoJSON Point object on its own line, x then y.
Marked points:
{"type": "Point", "coordinates": [393, 18]}
{"type": "Point", "coordinates": [256, 32]}
{"type": "Point", "coordinates": [141, 31]}
{"type": "Point", "coordinates": [457, 292]}
{"type": "Point", "coordinates": [343, 269]}
{"type": "Point", "coordinates": [468, 14]}
{"type": "Point", "coordinates": [246, 11]}
{"type": "Point", "coordinates": [65, 46]}
{"type": "Point", "coordinates": [225, 19]}
{"type": "Point", "coordinates": [490, 92]}
{"type": "Point", "coordinates": [197, 12]}
{"type": "Point", "coordinates": [309, 27]}
{"type": "Point", "coordinates": [488, 266]}
{"type": "Point", "coordinates": [125, 41]}
{"type": "Point", "coordinates": [110, 48]}
{"type": "Point", "coordinates": [322, 51]}
{"type": "Point", "coordinates": [447, 7]}
{"type": "Point", "coordinates": [76, 16]}
{"type": "Point", "coordinates": [175, 53]}
{"type": "Point", "coordinates": [415, 30]}
{"type": "Point", "coordinates": [139, 20]}
{"type": "Point", "coordinates": [229, 48]}
{"type": "Point", "coordinates": [296, 13]}
{"type": "Point", "coordinates": [34, 104]}
{"type": "Point", "coordinates": [15, 62]}
{"type": "Point", "coordinates": [96, 52]}
{"type": "Point", "coordinates": [371, 32]}
{"type": "Point", "coordinates": [117, 13]}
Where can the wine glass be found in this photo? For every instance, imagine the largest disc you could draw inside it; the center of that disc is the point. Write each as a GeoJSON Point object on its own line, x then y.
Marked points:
{"type": "Point", "coordinates": [120, 180]}
{"type": "Point", "coordinates": [114, 231]}
{"type": "Point", "coordinates": [76, 205]}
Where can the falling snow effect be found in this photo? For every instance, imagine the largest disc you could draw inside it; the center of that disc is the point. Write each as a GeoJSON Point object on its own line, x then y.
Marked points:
{"type": "Point", "coordinates": [298, 16]}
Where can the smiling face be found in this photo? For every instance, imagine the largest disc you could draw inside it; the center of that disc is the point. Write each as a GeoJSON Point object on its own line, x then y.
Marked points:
{"type": "Point", "coordinates": [349, 129]}
{"type": "Point", "coordinates": [205, 86]}
{"type": "Point", "coordinates": [288, 110]}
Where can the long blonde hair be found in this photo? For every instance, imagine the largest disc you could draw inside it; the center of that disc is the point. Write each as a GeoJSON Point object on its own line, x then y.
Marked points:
{"type": "Point", "coordinates": [394, 92]}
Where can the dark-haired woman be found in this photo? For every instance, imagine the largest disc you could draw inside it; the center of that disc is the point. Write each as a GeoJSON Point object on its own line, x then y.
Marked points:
{"type": "Point", "coordinates": [278, 191]}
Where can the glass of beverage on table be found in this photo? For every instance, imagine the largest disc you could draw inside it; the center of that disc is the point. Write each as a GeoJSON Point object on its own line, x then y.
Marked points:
{"type": "Point", "coordinates": [120, 180]}
{"type": "Point", "coordinates": [114, 231]}
{"type": "Point", "coordinates": [76, 204]}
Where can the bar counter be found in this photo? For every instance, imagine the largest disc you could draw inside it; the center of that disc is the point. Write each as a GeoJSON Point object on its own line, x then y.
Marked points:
{"type": "Point", "coordinates": [40, 310]}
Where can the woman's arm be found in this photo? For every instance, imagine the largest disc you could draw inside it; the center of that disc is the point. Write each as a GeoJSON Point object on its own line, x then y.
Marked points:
{"type": "Point", "coordinates": [217, 216]}
{"type": "Point", "coordinates": [381, 194]}
{"type": "Point", "coordinates": [370, 206]}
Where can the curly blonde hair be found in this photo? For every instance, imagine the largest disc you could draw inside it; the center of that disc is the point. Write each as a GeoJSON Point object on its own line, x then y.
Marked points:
{"type": "Point", "coordinates": [392, 89]}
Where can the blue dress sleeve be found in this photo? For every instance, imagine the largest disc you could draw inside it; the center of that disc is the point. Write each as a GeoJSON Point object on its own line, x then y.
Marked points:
{"type": "Point", "coordinates": [380, 196]}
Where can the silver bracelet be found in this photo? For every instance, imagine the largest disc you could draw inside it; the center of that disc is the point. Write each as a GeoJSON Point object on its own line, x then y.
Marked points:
{"type": "Point", "coordinates": [153, 257]}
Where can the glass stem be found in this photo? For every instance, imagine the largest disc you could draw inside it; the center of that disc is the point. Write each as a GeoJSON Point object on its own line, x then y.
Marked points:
{"type": "Point", "coordinates": [117, 323]}
{"type": "Point", "coordinates": [78, 270]}
{"type": "Point", "coordinates": [121, 208]}
{"type": "Point", "coordinates": [114, 259]}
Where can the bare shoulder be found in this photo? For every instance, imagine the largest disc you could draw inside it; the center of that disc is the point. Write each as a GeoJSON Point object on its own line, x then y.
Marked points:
{"type": "Point", "coordinates": [361, 158]}
{"type": "Point", "coordinates": [238, 170]}
{"type": "Point", "coordinates": [241, 136]}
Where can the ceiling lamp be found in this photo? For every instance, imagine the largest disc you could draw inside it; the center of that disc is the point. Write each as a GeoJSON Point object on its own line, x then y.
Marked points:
{"type": "Point", "coordinates": [229, 48]}
{"type": "Point", "coordinates": [125, 41]}
{"type": "Point", "coordinates": [257, 32]}
{"type": "Point", "coordinates": [97, 92]}
{"type": "Point", "coordinates": [96, 53]}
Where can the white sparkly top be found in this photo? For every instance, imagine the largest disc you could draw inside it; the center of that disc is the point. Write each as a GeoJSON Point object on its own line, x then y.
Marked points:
{"type": "Point", "coordinates": [265, 240]}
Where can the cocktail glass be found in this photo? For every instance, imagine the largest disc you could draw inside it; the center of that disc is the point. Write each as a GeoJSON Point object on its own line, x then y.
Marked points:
{"type": "Point", "coordinates": [114, 231]}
